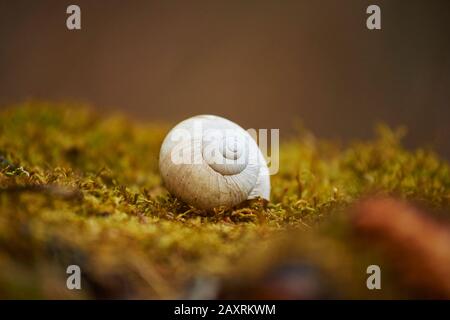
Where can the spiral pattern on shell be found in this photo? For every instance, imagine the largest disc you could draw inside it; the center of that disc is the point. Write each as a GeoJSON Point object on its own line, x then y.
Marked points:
{"type": "Point", "coordinates": [209, 161]}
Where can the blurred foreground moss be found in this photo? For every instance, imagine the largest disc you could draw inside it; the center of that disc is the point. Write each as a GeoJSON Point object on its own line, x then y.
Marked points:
{"type": "Point", "coordinates": [79, 188]}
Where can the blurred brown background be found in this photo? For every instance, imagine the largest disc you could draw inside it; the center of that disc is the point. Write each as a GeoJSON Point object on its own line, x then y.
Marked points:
{"type": "Point", "coordinates": [260, 63]}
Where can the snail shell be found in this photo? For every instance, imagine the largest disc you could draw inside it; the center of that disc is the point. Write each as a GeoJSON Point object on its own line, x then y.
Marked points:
{"type": "Point", "coordinates": [209, 161]}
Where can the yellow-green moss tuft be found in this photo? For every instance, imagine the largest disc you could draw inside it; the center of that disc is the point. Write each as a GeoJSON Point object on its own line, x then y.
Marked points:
{"type": "Point", "coordinates": [78, 188]}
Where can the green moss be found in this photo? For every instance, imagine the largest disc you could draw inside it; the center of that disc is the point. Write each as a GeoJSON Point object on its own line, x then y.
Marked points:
{"type": "Point", "coordinates": [78, 188]}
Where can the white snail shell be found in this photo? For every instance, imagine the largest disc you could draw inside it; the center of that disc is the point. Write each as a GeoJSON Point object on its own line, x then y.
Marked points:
{"type": "Point", "coordinates": [209, 161]}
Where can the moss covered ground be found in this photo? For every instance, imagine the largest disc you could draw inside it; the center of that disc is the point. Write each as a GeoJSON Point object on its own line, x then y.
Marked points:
{"type": "Point", "coordinates": [77, 187]}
